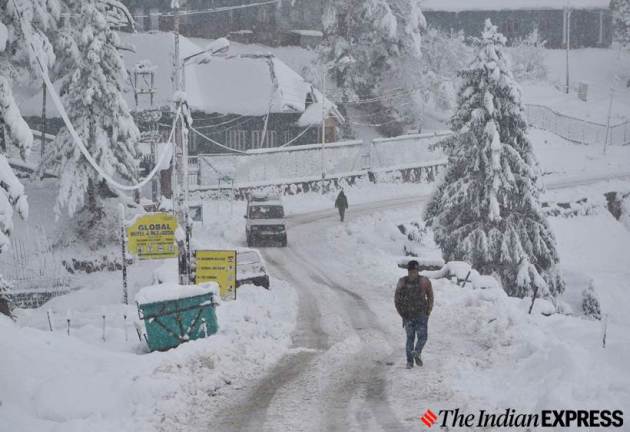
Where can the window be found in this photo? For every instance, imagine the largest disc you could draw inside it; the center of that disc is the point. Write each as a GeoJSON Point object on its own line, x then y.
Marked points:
{"type": "Point", "coordinates": [236, 139]}
{"type": "Point", "coordinates": [600, 39]}
{"type": "Point", "coordinates": [154, 18]}
{"type": "Point", "coordinates": [543, 25]}
{"type": "Point", "coordinates": [264, 15]}
{"type": "Point", "coordinates": [270, 139]}
{"type": "Point", "coordinates": [139, 18]}
{"type": "Point", "coordinates": [510, 27]}
{"type": "Point", "coordinates": [286, 136]}
{"type": "Point", "coordinates": [266, 212]}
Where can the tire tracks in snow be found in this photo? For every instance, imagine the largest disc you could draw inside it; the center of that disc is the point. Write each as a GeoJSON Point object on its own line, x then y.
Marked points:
{"type": "Point", "coordinates": [351, 392]}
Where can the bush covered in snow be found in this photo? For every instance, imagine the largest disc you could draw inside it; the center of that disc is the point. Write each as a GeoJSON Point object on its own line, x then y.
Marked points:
{"type": "Point", "coordinates": [528, 58]}
{"type": "Point", "coordinates": [443, 54]}
{"type": "Point", "coordinates": [5, 304]}
{"type": "Point", "coordinates": [373, 51]}
{"type": "Point", "coordinates": [621, 21]}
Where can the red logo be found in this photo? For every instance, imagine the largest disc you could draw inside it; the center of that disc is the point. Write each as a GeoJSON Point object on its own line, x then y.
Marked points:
{"type": "Point", "coordinates": [429, 418]}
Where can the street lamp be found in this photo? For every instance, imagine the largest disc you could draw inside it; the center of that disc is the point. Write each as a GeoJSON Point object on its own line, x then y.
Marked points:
{"type": "Point", "coordinates": [343, 61]}
{"type": "Point", "coordinates": [216, 47]}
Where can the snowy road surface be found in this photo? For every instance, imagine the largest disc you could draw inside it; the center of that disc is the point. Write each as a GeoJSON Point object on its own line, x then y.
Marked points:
{"type": "Point", "coordinates": [334, 377]}
{"type": "Point", "coordinates": [345, 370]}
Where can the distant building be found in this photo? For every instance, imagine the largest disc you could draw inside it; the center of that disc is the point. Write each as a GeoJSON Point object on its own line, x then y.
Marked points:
{"type": "Point", "coordinates": [299, 22]}
{"type": "Point", "coordinates": [590, 20]}
{"type": "Point", "coordinates": [282, 23]}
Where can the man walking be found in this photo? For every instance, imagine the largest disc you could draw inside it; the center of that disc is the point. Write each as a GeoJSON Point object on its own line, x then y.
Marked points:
{"type": "Point", "coordinates": [414, 302]}
{"type": "Point", "coordinates": [342, 204]}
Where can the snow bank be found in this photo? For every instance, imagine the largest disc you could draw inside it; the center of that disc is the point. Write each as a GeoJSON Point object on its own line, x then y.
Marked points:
{"type": "Point", "coordinates": [50, 381]}
{"type": "Point", "coordinates": [485, 351]}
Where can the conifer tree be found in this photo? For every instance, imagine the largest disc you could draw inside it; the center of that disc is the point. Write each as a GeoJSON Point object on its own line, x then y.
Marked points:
{"type": "Point", "coordinates": [487, 210]}
{"type": "Point", "coordinates": [92, 92]}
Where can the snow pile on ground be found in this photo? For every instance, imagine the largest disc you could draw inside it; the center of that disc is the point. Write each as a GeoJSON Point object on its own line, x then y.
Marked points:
{"type": "Point", "coordinates": [561, 159]}
{"type": "Point", "coordinates": [485, 351]}
{"type": "Point", "coordinates": [600, 68]}
{"type": "Point", "coordinates": [50, 381]}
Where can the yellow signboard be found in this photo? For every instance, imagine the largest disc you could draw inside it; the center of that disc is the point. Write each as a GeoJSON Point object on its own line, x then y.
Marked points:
{"type": "Point", "coordinates": [217, 266]}
{"type": "Point", "coordinates": [152, 236]}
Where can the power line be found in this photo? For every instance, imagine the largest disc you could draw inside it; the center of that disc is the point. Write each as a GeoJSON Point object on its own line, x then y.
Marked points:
{"type": "Point", "coordinates": [216, 125]}
{"type": "Point", "coordinates": [75, 136]}
{"type": "Point", "coordinates": [210, 11]}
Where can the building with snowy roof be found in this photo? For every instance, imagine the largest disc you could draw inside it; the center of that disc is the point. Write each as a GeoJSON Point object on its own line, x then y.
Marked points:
{"type": "Point", "coordinates": [590, 20]}
{"type": "Point", "coordinates": [242, 102]}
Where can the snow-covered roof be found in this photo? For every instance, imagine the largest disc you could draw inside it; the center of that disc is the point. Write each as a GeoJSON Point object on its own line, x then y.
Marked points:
{"type": "Point", "coordinates": [247, 84]}
{"type": "Point", "coordinates": [244, 84]}
{"type": "Point", "coordinates": [489, 5]}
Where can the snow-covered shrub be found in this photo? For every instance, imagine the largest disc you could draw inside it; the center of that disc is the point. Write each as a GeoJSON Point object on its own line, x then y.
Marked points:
{"type": "Point", "coordinates": [416, 233]}
{"type": "Point", "coordinates": [580, 297]}
{"type": "Point", "coordinates": [372, 49]}
{"type": "Point", "coordinates": [625, 211]}
{"type": "Point", "coordinates": [487, 209]}
{"type": "Point", "coordinates": [92, 85]}
{"type": "Point", "coordinates": [590, 303]}
{"type": "Point", "coordinates": [528, 58]}
{"type": "Point", "coordinates": [5, 304]}
{"type": "Point", "coordinates": [443, 54]}
{"type": "Point", "coordinates": [621, 21]}
{"type": "Point", "coordinates": [582, 207]}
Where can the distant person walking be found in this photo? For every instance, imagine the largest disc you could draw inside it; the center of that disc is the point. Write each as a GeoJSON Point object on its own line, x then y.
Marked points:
{"type": "Point", "coordinates": [414, 302]}
{"type": "Point", "coordinates": [341, 203]}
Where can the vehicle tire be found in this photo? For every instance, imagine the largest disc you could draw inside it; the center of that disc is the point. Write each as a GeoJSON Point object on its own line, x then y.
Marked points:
{"type": "Point", "coordinates": [284, 241]}
{"type": "Point", "coordinates": [250, 241]}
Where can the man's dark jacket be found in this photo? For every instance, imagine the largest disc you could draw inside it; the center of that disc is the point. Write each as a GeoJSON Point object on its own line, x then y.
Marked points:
{"type": "Point", "coordinates": [413, 299]}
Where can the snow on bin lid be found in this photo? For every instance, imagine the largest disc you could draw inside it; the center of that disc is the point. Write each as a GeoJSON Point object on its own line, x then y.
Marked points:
{"type": "Point", "coordinates": [170, 291]}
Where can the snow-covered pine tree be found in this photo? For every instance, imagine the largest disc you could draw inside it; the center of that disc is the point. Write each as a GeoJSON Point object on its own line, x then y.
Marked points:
{"type": "Point", "coordinates": [92, 92]}
{"type": "Point", "coordinates": [621, 21]}
{"type": "Point", "coordinates": [17, 65]}
{"type": "Point", "coordinates": [383, 37]}
{"type": "Point", "coordinates": [487, 210]}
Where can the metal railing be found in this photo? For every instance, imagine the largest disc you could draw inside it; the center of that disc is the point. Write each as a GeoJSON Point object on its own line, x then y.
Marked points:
{"type": "Point", "coordinates": [309, 162]}
{"type": "Point", "coordinates": [575, 129]}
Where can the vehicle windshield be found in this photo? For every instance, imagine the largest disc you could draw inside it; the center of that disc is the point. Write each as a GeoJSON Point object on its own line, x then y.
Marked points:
{"type": "Point", "coordinates": [248, 258]}
{"type": "Point", "coordinates": [266, 212]}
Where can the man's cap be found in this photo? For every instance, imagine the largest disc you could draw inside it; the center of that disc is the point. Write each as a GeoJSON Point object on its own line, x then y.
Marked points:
{"type": "Point", "coordinates": [413, 265]}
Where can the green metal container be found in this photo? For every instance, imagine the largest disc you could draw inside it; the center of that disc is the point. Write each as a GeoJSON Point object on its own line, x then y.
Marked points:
{"type": "Point", "coordinates": [170, 323]}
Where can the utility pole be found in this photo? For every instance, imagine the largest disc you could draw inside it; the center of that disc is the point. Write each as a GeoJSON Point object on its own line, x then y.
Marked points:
{"type": "Point", "coordinates": [567, 14]}
{"type": "Point", "coordinates": [179, 204]}
{"type": "Point", "coordinates": [325, 72]}
{"type": "Point", "coordinates": [43, 140]}
{"type": "Point", "coordinates": [612, 95]}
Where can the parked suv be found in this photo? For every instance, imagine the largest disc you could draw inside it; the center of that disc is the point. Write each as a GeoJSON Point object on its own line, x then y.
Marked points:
{"type": "Point", "coordinates": [265, 221]}
{"type": "Point", "coordinates": [250, 268]}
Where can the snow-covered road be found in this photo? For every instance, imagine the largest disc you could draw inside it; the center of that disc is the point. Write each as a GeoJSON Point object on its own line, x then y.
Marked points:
{"type": "Point", "coordinates": [333, 378]}
{"type": "Point", "coordinates": [345, 369]}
